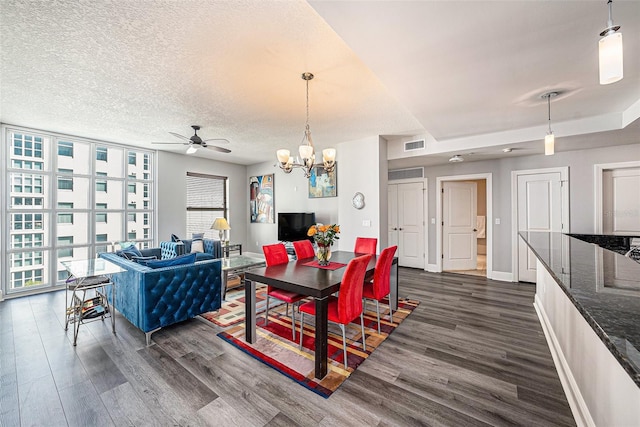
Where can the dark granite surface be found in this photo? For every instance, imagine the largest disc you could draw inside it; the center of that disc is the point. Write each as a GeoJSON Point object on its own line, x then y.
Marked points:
{"type": "Point", "coordinates": [619, 244]}
{"type": "Point", "coordinates": [603, 285]}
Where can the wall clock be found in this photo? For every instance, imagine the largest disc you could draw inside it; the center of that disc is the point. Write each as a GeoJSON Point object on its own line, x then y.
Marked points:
{"type": "Point", "coordinates": [358, 200]}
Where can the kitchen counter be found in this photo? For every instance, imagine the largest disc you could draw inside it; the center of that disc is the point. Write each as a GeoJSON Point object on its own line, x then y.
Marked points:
{"type": "Point", "coordinates": [603, 285]}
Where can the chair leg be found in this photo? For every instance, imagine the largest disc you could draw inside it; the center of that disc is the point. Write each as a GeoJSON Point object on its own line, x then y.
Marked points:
{"type": "Point", "coordinates": [364, 339]}
{"type": "Point", "coordinates": [378, 313]}
{"type": "Point", "coordinates": [344, 344]}
{"type": "Point", "coordinates": [266, 313]}
{"type": "Point", "coordinates": [301, 328]}
{"type": "Point", "coordinates": [293, 322]}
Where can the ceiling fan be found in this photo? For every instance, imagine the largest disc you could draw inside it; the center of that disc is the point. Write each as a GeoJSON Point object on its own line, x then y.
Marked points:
{"type": "Point", "coordinates": [195, 142]}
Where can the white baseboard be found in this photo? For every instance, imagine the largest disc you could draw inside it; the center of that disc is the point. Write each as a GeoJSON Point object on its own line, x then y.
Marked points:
{"type": "Point", "coordinates": [503, 276]}
{"type": "Point", "coordinates": [577, 404]}
{"type": "Point", "coordinates": [432, 268]}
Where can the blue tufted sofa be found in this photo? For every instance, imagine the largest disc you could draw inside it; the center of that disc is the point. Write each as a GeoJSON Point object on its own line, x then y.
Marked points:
{"type": "Point", "coordinates": [154, 298]}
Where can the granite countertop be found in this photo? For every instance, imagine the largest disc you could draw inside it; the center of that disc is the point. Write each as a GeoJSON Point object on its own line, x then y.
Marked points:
{"type": "Point", "coordinates": [602, 284]}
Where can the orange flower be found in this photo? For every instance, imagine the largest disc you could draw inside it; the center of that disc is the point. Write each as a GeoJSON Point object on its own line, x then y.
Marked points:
{"type": "Point", "coordinates": [336, 228]}
{"type": "Point", "coordinates": [324, 228]}
{"type": "Point", "coordinates": [312, 231]}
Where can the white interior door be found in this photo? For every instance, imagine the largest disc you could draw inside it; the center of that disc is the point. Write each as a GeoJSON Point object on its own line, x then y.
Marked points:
{"type": "Point", "coordinates": [392, 214]}
{"type": "Point", "coordinates": [539, 209]}
{"type": "Point", "coordinates": [406, 223]}
{"type": "Point", "coordinates": [459, 220]}
{"type": "Point", "coordinates": [620, 201]}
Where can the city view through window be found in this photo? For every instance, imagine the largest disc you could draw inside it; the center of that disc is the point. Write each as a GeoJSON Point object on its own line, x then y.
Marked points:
{"type": "Point", "coordinates": [68, 198]}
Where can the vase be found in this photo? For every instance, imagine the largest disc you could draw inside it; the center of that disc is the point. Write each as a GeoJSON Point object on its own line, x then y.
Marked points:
{"type": "Point", "coordinates": [324, 254]}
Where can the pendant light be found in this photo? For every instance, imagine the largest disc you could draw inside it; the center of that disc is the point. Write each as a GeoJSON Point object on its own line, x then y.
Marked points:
{"type": "Point", "coordinates": [610, 52]}
{"type": "Point", "coordinates": [306, 150]}
{"type": "Point", "coordinates": [549, 139]}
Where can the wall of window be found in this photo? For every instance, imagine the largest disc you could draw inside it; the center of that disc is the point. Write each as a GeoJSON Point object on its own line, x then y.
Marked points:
{"type": "Point", "coordinates": [68, 198]}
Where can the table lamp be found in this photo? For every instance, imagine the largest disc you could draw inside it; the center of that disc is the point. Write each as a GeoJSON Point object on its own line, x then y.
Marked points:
{"type": "Point", "coordinates": [221, 225]}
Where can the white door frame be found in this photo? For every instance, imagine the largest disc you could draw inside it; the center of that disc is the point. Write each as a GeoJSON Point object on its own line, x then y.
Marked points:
{"type": "Point", "coordinates": [598, 171]}
{"type": "Point", "coordinates": [564, 190]}
{"type": "Point", "coordinates": [425, 211]}
{"type": "Point", "coordinates": [489, 221]}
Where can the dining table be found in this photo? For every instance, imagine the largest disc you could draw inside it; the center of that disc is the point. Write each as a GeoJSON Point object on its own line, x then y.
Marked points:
{"type": "Point", "coordinates": [315, 282]}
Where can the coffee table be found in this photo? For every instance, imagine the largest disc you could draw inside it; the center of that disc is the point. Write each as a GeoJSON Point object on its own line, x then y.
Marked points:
{"type": "Point", "coordinates": [237, 265]}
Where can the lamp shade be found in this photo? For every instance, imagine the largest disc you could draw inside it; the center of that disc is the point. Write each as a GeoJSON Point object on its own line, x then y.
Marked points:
{"type": "Point", "coordinates": [329, 154]}
{"type": "Point", "coordinates": [549, 142]}
{"type": "Point", "coordinates": [192, 149]}
{"type": "Point", "coordinates": [306, 151]}
{"type": "Point", "coordinates": [610, 58]}
{"type": "Point", "coordinates": [220, 224]}
{"type": "Point", "coordinates": [283, 155]}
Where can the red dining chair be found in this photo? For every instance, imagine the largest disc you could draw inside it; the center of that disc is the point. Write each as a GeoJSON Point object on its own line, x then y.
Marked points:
{"type": "Point", "coordinates": [276, 254]}
{"type": "Point", "coordinates": [366, 245]}
{"type": "Point", "coordinates": [344, 308]}
{"type": "Point", "coordinates": [303, 249]}
{"type": "Point", "coordinates": [380, 287]}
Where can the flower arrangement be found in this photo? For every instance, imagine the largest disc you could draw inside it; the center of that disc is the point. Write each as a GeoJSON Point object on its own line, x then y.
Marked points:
{"type": "Point", "coordinates": [324, 235]}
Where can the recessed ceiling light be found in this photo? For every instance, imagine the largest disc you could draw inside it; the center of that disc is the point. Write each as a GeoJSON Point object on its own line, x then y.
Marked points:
{"type": "Point", "coordinates": [507, 150]}
{"type": "Point", "coordinates": [456, 158]}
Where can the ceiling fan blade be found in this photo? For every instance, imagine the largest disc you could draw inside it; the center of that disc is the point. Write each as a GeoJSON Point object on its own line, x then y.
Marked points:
{"type": "Point", "coordinates": [171, 143]}
{"type": "Point", "coordinates": [177, 135]}
{"type": "Point", "coordinates": [220, 149]}
{"type": "Point", "coordinates": [217, 140]}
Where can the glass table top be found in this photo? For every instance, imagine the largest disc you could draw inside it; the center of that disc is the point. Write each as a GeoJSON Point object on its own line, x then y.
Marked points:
{"type": "Point", "coordinates": [91, 267]}
{"type": "Point", "coordinates": [241, 261]}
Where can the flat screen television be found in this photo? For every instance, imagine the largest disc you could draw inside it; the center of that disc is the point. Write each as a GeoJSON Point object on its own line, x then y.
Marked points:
{"type": "Point", "coordinates": [293, 226]}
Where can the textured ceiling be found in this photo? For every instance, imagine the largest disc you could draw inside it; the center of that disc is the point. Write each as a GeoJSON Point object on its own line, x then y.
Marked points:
{"type": "Point", "coordinates": [131, 71]}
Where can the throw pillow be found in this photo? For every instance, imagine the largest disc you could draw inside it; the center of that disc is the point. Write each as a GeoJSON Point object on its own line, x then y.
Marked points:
{"type": "Point", "coordinates": [179, 260]}
{"type": "Point", "coordinates": [142, 259]}
{"type": "Point", "coordinates": [197, 243]}
{"type": "Point", "coordinates": [125, 245]}
{"type": "Point", "coordinates": [175, 238]}
{"type": "Point", "coordinates": [129, 252]}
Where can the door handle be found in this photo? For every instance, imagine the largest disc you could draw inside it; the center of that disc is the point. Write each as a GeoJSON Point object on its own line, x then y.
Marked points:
{"type": "Point", "coordinates": [399, 228]}
{"type": "Point", "coordinates": [475, 229]}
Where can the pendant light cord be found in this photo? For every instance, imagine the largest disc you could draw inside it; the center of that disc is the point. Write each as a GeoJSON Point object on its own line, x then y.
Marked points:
{"type": "Point", "coordinates": [549, 107]}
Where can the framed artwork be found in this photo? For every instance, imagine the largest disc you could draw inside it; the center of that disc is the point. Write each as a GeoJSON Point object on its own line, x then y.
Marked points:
{"type": "Point", "coordinates": [261, 199]}
{"type": "Point", "coordinates": [323, 183]}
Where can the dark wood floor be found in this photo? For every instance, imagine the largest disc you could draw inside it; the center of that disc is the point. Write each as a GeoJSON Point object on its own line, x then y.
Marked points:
{"type": "Point", "coordinates": [472, 353]}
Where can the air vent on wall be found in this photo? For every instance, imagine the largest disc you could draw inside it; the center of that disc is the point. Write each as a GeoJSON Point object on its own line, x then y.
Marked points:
{"type": "Point", "coordinates": [414, 145]}
{"type": "Point", "coordinates": [406, 173]}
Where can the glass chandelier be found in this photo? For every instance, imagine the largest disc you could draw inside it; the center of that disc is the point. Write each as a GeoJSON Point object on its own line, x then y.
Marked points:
{"type": "Point", "coordinates": [307, 155]}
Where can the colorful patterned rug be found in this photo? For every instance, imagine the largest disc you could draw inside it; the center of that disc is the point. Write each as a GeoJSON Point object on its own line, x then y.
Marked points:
{"type": "Point", "coordinates": [275, 348]}
{"type": "Point", "coordinates": [232, 310]}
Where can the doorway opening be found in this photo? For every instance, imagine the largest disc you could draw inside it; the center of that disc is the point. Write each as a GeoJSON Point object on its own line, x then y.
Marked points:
{"type": "Point", "coordinates": [464, 215]}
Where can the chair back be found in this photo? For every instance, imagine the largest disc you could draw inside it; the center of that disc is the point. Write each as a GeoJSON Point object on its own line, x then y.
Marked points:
{"type": "Point", "coordinates": [382, 273]}
{"type": "Point", "coordinates": [366, 245]}
{"type": "Point", "coordinates": [275, 254]}
{"type": "Point", "coordinates": [350, 297]}
{"type": "Point", "coordinates": [303, 249]}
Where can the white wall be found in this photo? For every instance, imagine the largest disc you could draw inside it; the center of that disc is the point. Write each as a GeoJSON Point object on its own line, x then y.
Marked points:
{"type": "Point", "coordinates": [361, 166]}
{"type": "Point", "coordinates": [291, 194]}
{"type": "Point", "coordinates": [361, 171]}
{"type": "Point", "coordinates": [172, 183]}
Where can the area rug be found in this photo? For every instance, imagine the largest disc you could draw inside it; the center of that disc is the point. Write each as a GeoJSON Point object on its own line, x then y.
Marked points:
{"type": "Point", "coordinates": [275, 348]}
{"type": "Point", "coordinates": [232, 310]}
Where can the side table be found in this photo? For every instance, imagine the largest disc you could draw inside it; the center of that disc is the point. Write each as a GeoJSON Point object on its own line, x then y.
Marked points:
{"type": "Point", "coordinates": [88, 283]}
{"type": "Point", "coordinates": [234, 247]}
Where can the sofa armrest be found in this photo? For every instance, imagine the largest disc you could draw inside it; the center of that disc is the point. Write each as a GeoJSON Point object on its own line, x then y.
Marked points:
{"type": "Point", "coordinates": [151, 252]}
